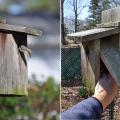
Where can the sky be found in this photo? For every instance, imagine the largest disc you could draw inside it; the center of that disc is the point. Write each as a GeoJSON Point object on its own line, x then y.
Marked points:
{"type": "Point", "coordinates": [68, 10]}
{"type": "Point", "coordinates": [42, 70]}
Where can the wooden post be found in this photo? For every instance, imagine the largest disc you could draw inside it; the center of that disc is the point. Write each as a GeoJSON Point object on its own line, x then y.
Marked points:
{"type": "Point", "coordinates": [90, 63]}
{"type": "Point", "coordinates": [88, 76]}
{"type": "Point", "coordinates": [94, 57]}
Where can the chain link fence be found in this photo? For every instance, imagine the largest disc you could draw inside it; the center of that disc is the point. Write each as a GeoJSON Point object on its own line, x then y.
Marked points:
{"type": "Point", "coordinates": [71, 68]}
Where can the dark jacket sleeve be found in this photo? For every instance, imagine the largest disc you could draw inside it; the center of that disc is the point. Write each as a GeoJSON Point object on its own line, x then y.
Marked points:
{"type": "Point", "coordinates": [89, 109]}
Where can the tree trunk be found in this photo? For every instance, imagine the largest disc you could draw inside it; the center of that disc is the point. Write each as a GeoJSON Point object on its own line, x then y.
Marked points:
{"type": "Point", "coordinates": [75, 5]}
{"type": "Point", "coordinates": [62, 23]}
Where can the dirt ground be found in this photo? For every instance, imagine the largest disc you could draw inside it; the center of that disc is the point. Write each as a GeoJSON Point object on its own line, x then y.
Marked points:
{"type": "Point", "coordinates": [70, 96]}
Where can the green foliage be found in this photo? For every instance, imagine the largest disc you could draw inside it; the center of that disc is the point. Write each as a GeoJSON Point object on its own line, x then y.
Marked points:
{"type": "Point", "coordinates": [33, 5]}
{"type": "Point", "coordinates": [51, 5]}
{"type": "Point", "coordinates": [95, 8]}
{"type": "Point", "coordinates": [95, 12]}
{"type": "Point", "coordinates": [42, 98]}
{"type": "Point", "coordinates": [84, 92]}
{"type": "Point", "coordinates": [89, 84]}
{"type": "Point", "coordinates": [105, 4]}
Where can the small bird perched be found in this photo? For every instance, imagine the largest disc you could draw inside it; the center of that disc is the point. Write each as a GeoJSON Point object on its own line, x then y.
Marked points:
{"type": "Point", "coordinates": [26, 51]}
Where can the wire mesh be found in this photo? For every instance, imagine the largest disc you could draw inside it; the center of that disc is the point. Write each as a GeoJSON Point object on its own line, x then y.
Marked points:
{"type": "Point", "coordinates": [70, 67]}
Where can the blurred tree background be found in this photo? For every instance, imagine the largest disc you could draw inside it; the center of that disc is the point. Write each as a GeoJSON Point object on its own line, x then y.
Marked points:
{"type": "Point", "coordinates": [43, 5]}
{"type": "Point", "coordinates": [43, 103]}
{"type": "Point", "coordinates": [31, 5]}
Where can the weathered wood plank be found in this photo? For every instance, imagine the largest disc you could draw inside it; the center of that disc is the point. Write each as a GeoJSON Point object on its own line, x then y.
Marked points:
{"type": "Point", "coordinates": [94, 57]}
{"type": "Point", "coordinates": [13, 70]}
{"type": "Point", "coordinates": [93, 34]}
{"type": "Point", "coordinates": [111, 58]}
{"type": "Point", "coordinates": [88, 75]}
{"type": "Point", "coordinates": [113, 39]}
{"type": "Point", "coordinates": [111, 15]}
{"type": "Point", "coordinates": [14, 28]}
{"type": "Point", "coordinates": [109, 24]}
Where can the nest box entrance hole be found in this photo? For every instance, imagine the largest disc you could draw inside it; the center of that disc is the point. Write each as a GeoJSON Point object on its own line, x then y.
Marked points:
{"type": "Point", "coordinates": [21, 40]}
{"type": "Point", "coordinates": [87, 51]}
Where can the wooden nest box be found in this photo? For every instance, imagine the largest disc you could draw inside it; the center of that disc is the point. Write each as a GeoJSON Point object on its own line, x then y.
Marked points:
{"type": "Point", "coordinates": [100, 48]}
{"type": "Point", "coordinates": [13, 64]}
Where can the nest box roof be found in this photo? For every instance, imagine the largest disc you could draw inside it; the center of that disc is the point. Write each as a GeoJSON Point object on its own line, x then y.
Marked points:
{"type": "Point", "coordinates": [110, 25]}
{"type": "Point", "coordinates": [14, 28]}
{"type": "Point", "coordinates": [93, 34]}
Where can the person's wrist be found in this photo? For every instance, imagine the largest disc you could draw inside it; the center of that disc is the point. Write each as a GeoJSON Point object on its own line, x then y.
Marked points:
{"type": "Point", "coordinates": [98, 101]}
{"type": "Point", "coordinates": [101, 100]}
{"type": "Point", "coordinates": [105, 90]}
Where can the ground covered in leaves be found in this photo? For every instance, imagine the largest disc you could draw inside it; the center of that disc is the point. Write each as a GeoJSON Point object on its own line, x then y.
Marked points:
{"type": "Point", "coordinates": [70, 95]}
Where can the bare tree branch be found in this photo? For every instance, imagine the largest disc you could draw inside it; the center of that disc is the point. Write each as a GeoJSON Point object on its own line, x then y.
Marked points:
{"type": "Point", "coordinates": [114, 3]}
{"type": "Point", "coordinates": [74, 9]}
{"type": "Point", "coordinates": [62, 22]}
{"type": "Point", "coordinates": [83, 7]}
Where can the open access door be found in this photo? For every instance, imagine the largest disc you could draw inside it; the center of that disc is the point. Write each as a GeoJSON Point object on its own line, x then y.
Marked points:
{"type": "Point", "coordinates": [110, 56]}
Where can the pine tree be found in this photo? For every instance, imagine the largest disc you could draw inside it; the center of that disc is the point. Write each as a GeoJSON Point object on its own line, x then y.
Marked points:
{"type": "Point", "coordinates": [95, 12]}
{"type": "Point", "coordinates": [105, 4]}
{"type": "Point", "coordinates": [95, 8]}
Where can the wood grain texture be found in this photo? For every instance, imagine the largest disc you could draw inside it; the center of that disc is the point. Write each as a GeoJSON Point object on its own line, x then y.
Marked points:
{"type": "Point", "coordinates": [13, 70]}
{"type": "Point", "coordinates": [111, 58]}
{"type": "Point", "coordinates": [13, 28]}
{"type": "Point", "coordinates": [111, 15]}
{"type": "Point", "coordinates": [114, 40]}
{"type": "Point", "coordinates": [88, 76]}
{"type": "Point", "coordinates": [94, 57]}
{"type": "Point", "coordinates": [93, 34]}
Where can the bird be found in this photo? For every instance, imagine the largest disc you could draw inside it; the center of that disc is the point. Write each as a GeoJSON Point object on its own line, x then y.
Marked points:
{"type": "Point", "coordinates": [26, 51]}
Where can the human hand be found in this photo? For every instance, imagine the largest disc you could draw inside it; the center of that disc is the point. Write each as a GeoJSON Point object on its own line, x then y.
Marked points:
{"type": "Point", "coordinates": [105, 90]}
